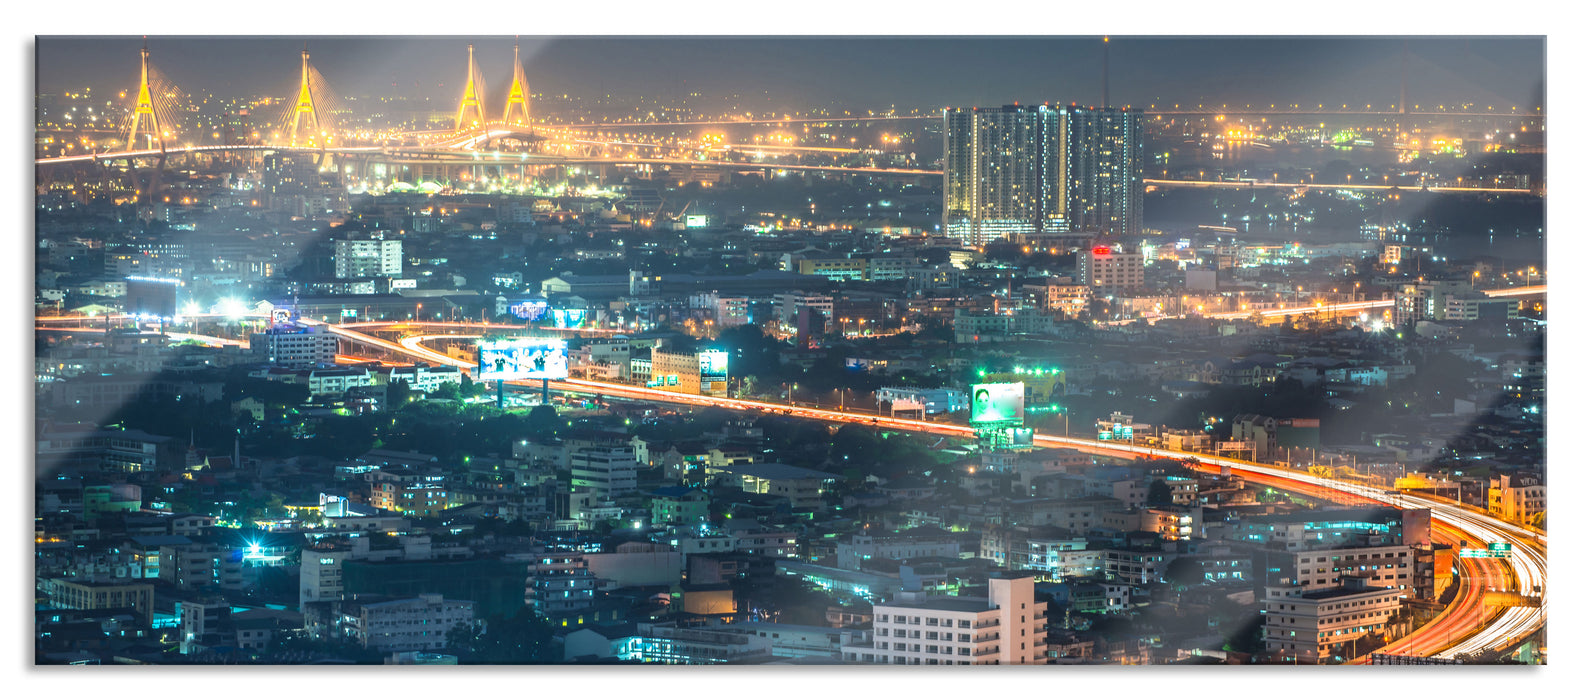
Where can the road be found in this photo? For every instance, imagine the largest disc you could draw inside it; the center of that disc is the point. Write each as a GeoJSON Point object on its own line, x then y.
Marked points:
{"type": "Point", "coordinates": [1470, 625]}
{"type": "Point", "coordinates": [460, 147]}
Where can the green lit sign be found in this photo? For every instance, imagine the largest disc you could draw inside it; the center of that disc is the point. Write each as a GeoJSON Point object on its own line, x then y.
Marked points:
{"type": "Point", "coordinates": [1496, 550]}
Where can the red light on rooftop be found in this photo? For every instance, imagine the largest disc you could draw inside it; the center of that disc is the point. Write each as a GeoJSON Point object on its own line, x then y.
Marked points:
{"type": "Point", "coordinates": [1101, 251]}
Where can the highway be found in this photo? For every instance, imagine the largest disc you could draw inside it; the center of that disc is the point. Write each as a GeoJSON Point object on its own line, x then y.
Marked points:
{"type": "Point", "coordinates": [1463, 628]}
{"type": "Point", "coordinates": [1479, 619]}
{"type": "Point", "coordinates": [1348, 306]}
{"type": "Point", "coordinates": [461, 147]}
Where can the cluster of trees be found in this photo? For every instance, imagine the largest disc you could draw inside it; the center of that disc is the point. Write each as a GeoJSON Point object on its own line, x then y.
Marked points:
{"type": "Point", "coordinates": [852, 450]}
{"type": "Point", "coordinates": [518, 638]}
{"type": "Point", "coordinates": [755, 357]}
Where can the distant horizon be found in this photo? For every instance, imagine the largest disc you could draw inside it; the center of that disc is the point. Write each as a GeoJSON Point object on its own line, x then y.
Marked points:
{"type": "Point", "coordinates": [800, 73]}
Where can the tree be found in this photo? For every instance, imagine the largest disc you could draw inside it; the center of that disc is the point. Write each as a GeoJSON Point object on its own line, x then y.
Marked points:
{"type": "Point", "coordinates": [342, 437]}
{"type": "Point", "coordinates": [856, 447]}
{"type": "Point", "coordinates": [542, 420]}
{"type": "Point", "coordinates": [448, 391]}
{"type": "Point", "coordinates": [469, 388]}
{"type": "Point", "coordinates": [1159, 494]}
{"type": "Point", "coordinates": [521, 638]}
{"type": "Point", "coordinates": [1183, 570]}
{"type": "Point", "coordinates": [398, 394]}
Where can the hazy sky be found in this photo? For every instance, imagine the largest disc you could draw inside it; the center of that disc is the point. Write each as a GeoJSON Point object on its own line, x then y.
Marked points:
{"type": "Point", "coordinates": [844, 71]}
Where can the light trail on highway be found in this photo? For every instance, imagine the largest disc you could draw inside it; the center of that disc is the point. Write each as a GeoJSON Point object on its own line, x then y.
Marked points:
{"type": "Point", "coordinates": [209, 340]}
{"type": "Point", "coordinates": [1448, 635]}
{"type": "Point", "coordinates": [1345, 306]}
{"type": "Point", "coordinates": [1237, 184]}
{"type": "Point", "coordinates": [463, 147]}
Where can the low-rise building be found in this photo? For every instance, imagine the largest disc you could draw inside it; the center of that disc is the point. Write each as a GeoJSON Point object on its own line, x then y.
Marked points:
{"type": "Point", "coordinates": [803, 487]}
{"type": "Point", "coordinates": [917, 543]}
{"type": "Point", "coordinates": [1383, 566]}
{"type": "Point", "coordinates": [422, 377]}
{"type": "Point", "coordinates": [409, 624]}
{"type": "Point", "coordinates": [666, 644]}
{"type": "Point", "coordinates": [1517, 498]}
{"type": "Point", "coordinates": [1316, 626]}
{"type": "Point", "coordinates": [702, 372]}
{"type": "Point", "coordinates": [929, 401]}
{"type": "Point", "coordinates": [1006, 627]}
{"type": "Point", "coordinates": [335, 382]}
{"type": "Point", "coordinates": [76, 594]}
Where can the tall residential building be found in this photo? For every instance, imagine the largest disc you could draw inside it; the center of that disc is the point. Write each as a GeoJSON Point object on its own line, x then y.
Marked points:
{"type": "Point", "coordinates": [607, 472]}
{"type": "Point", "coordinates": [1103, 176]}
{"type": "Point", "coordinates": [295, 346]}
{"type": "Point", "coordinates": [1007, 627]}
{"type": "Point", "coordinates": [1108, 269]}
{"type": "Point", "coordinates": [367, 256]}
{"type": "Point", "coordinates": [1021, 170]}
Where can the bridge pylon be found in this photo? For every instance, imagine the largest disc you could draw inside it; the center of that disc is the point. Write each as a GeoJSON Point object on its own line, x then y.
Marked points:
{"type": "Point", "coordinates": [144, 116]}
{"type": "Point", "coordinates": [307, 109]}
{"type": "Point", "coordinates": [516, 111]}
{"type": "Point", "coordinates": [471, 98]}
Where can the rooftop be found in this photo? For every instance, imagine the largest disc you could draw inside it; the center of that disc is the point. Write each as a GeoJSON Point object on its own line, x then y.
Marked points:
{"type": "Point", "coordinates": [949, 603]}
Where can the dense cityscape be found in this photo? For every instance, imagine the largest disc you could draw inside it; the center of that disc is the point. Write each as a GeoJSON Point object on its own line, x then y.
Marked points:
{"type": "Point", "coordinates": [468, 373]}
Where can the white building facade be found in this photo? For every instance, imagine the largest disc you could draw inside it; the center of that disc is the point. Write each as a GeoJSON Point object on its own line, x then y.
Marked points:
{"type": "Point", "coordinates": [1007, 627]}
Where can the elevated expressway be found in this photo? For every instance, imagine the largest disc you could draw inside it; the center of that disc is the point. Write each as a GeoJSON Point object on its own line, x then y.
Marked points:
{"type": "Point", "coordinates": [459, 149]}
{"type": "Point", "coordinates": [1498, 604]}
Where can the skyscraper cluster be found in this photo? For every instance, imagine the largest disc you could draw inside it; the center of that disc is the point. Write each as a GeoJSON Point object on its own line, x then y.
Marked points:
{"type": "Point", "coordinates": [1040, 169]}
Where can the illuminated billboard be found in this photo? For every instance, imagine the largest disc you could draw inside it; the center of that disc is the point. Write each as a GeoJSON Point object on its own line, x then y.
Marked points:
{"type": "Point", "coordinates": [697, 221]}
{"type": "Point", "coordinates": [569, 318]}
{"type": "Point", "coordinates": [997, 403]}
{"type": "Point", "coordinates": [529, 309]}
{"type": "Point", "coordinates": [150, 296]}
{"type": "Point", "coordinates": [713, 379]}
{"type": "Point", "coordinates": [1020, 437]}
{"type": "Point", "coordinates": [713, 364]}
{"type": "Point", "coordinates": [522, 358]}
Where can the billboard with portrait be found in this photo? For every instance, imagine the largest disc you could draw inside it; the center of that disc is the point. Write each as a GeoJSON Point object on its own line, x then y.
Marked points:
{"type": "Point", "coordinates": [712, 364]}
{"type": "Point", "coordinates": [522, 358]}
{"type": "Point", "coordinates": [997, 403]}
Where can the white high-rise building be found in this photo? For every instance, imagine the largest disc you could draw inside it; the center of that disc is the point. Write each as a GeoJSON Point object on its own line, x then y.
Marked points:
{"type": "Point", "coordinates": [607, 473]}
{"type": "Point", "coordinates": [367, 256]}
{"type": "Point", "coordinates": [1109, 269]}
{"type": "Point", "coordinates": [1007, 627]}
{"type": "Point", "coordinates": [295, 346]}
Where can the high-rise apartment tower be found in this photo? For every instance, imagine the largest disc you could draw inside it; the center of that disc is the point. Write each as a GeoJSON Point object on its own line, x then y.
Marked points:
{"type": "Point", "coordinates": [1041, 169]}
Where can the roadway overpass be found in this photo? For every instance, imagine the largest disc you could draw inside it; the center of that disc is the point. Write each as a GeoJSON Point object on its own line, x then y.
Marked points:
{"type": "Point", "coordinates": [1486, 615]}
{"type": "Point", "coordinates": [458, 153]}
{"type": "Point", "coordinates": [1466, 627]}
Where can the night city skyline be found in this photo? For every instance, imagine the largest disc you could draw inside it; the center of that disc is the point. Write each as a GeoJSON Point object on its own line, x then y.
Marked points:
{"type": "Point", "coordinates": [909, 72]}
{"type": "Point", "coordinates": [577, 349]}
